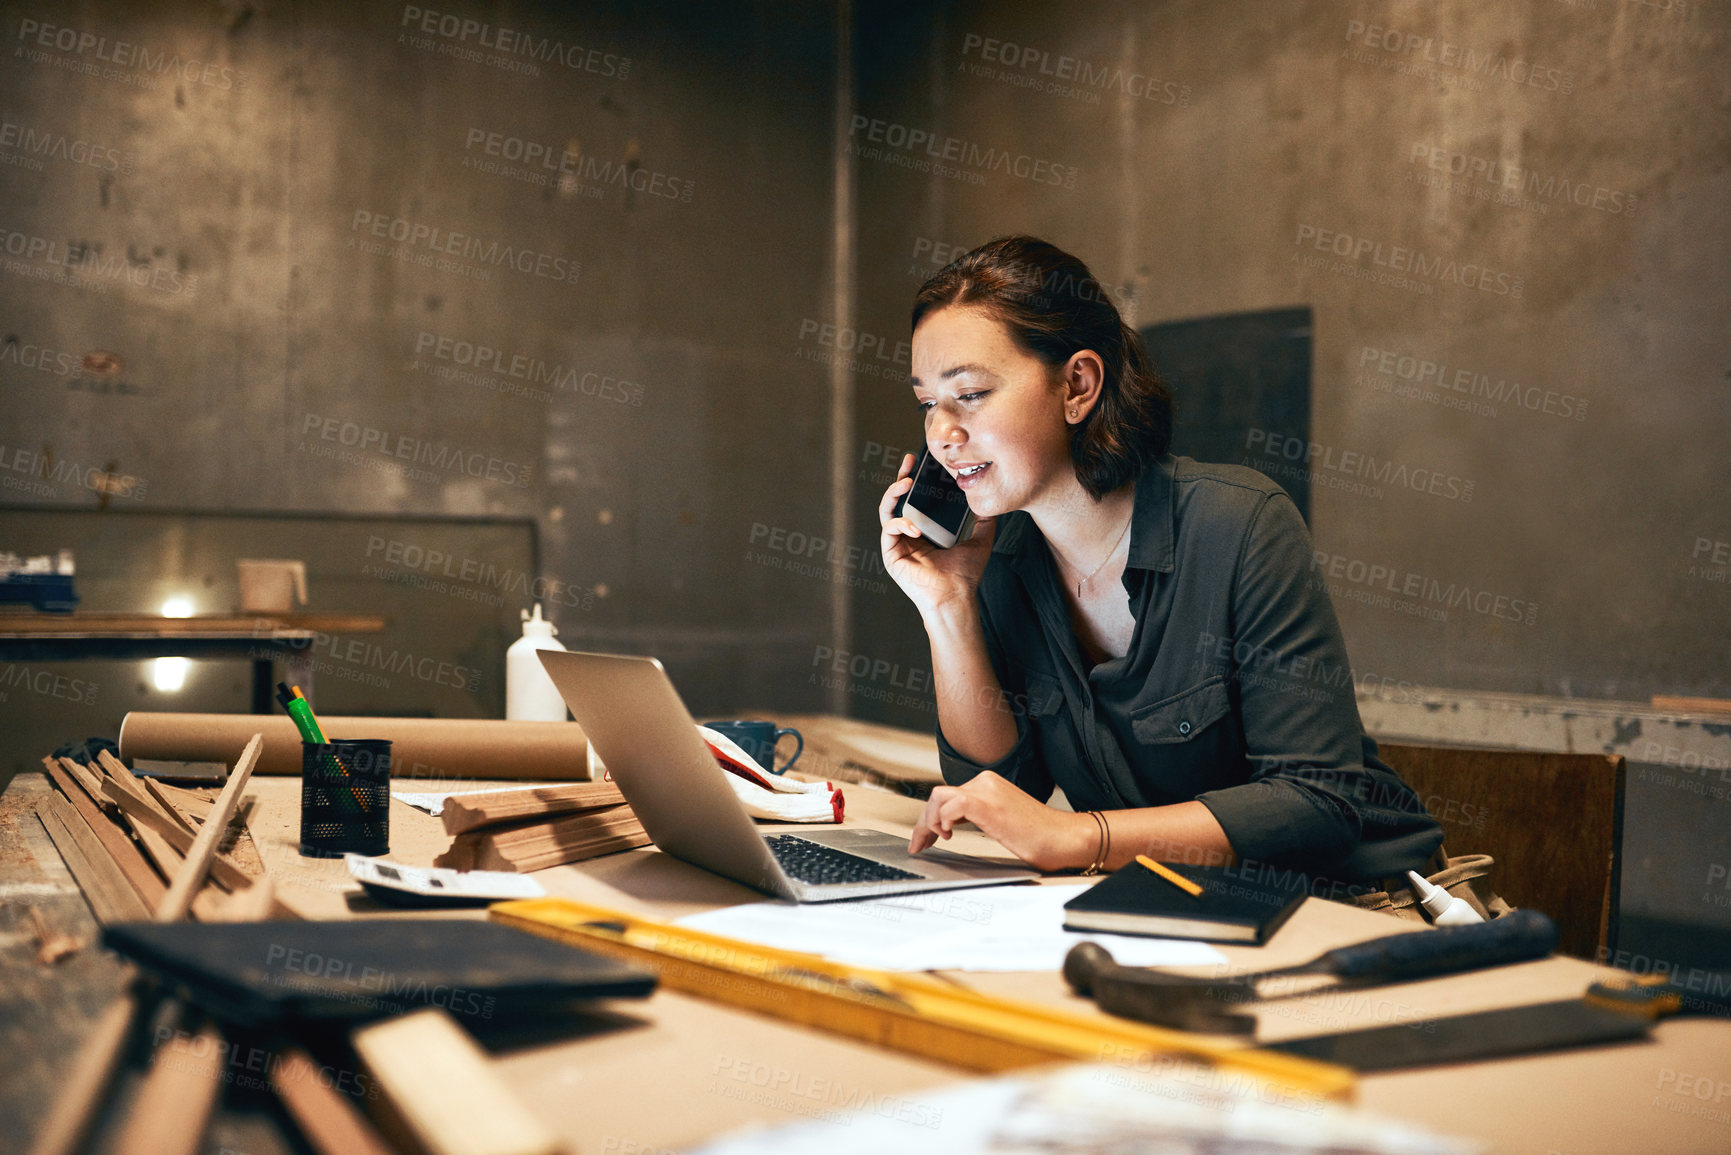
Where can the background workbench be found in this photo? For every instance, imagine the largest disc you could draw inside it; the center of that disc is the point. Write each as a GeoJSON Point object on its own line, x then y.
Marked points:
{"type": "Point", "coordinates": [260, 638]}
{"type": "Point", "coordinates": [669, 1071]}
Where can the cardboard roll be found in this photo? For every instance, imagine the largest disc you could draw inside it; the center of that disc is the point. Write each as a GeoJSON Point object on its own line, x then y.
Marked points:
{"type": "Point", "coordinates": [420, 747]}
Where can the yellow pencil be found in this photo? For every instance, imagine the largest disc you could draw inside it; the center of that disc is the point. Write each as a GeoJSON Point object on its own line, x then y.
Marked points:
{"type": "Point", "coordinates": [1171, 876]}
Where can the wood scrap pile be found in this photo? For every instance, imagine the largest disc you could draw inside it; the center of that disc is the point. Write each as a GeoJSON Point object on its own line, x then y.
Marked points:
{"type": "Point", "coordinates": [127, 841]}
{"type": "Point", "coordinates": [538, 827]}
{"type": "Point", "coordinates": [123, 837]}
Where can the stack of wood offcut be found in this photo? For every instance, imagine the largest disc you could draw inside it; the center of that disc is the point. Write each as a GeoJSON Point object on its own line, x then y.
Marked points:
{"type": "Point", "coordinates": [123, 837]}
{"type": "Point", "coordinates": [538, 827]}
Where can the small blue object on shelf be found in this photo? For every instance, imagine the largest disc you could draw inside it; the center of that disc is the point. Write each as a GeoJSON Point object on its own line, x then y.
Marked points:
{"type": "Point", "coordinates": [44, 582]}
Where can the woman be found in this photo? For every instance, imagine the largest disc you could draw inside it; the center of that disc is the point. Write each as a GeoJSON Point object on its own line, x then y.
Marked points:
{"type": "Point", "coordinates": [1138, 629]}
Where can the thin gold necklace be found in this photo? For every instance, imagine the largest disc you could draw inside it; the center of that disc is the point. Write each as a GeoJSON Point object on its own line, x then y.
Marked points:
{"type": "Point", "coordinates": [1112, 553]}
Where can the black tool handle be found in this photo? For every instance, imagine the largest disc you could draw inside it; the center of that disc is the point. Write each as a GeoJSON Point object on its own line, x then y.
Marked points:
{"type": "Point", "coordinates": [1515, 937]}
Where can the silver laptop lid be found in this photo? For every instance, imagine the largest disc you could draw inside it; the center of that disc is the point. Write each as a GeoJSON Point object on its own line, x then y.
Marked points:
{"type": "Point", "coordinates": [665, 771]}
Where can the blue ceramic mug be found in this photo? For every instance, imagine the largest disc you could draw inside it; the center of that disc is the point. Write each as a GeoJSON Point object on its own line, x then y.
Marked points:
{"type": "Point", "coordinates": [758, 739]}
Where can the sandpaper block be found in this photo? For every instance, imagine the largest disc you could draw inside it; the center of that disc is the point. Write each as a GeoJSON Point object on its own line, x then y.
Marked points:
{"type": "Point", "coordinates": [273, 973]}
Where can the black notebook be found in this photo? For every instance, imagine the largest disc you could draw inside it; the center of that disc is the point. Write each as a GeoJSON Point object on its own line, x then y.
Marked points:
{"type": "Point", "coordinates": [261, 973]}
{"type": "Point", "coordinates": [1232, 908]}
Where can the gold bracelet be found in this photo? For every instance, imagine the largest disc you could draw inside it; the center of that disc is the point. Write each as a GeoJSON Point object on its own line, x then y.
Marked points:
{"type": "Point", "coordinates": [1099, 843]}
{"type": "Point", "coordinates": [1107, 853]}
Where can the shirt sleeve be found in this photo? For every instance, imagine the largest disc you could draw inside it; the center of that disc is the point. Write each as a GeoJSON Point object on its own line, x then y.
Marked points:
{"type": "Point", "coordinates": [1311, 798]}
{"type": "Point", "coordinates": [1022, 765]}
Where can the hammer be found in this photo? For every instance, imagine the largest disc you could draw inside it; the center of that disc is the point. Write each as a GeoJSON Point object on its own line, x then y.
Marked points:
{"type": "Point", "coordinates": [1203, 1004]}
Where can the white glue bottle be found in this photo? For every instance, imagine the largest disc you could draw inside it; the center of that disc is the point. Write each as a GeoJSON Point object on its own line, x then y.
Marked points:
{"type": "Point", "coordinates": [1444, 908]}
{"type": "Point", "coordinates": [530, 695]}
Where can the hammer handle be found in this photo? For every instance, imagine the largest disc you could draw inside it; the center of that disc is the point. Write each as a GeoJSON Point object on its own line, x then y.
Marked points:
{"type": "Point", "coordinates": [1516, 937]}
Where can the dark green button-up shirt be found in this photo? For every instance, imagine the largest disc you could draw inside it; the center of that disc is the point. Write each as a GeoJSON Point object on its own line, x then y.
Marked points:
{"type": "Point", "coordinates": [1235, 691]}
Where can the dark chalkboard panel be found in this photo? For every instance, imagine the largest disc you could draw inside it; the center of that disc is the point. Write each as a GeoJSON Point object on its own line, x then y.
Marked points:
{"type": "Point", "coordinates": [1241, 381]}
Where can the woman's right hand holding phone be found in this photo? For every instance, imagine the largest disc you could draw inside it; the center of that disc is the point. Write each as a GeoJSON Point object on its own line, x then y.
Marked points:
{"type": "Point", "coordinates": [938, 581]}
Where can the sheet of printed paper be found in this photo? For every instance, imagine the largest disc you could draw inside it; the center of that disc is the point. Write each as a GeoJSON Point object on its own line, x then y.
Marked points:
{"type": "Point", "coordinates": [994, 928]}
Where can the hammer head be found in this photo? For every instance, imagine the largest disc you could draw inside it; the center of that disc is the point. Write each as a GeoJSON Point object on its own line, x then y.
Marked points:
{"type": "Point", "coordinates": [1179, 1001]}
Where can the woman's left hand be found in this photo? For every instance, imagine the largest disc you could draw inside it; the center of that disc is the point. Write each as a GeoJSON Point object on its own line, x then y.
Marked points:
{"type": "Point", "coordinates": [1044, 838]}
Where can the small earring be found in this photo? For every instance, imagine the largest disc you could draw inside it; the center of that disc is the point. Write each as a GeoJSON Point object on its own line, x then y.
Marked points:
{"type": "Point", "coordinates": [1072, 415]}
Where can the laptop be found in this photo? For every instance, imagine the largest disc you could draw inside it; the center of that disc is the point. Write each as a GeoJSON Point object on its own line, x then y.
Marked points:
{"type": "Point", "coordinates": [640, 728]}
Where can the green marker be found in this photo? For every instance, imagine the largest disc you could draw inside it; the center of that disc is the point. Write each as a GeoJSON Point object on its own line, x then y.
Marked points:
{"type": "Point", "coordinates": [301, 711]}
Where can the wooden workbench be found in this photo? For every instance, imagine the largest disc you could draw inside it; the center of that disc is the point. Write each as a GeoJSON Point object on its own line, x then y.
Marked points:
{"type": "Point", "coordinates": [664, 1073]}
{"type": "Point", "coordinates": [261, 638]}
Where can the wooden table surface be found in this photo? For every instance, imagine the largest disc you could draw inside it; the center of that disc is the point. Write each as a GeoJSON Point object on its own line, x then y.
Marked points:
{"type": "Point", "coordinates": [667, 1072]}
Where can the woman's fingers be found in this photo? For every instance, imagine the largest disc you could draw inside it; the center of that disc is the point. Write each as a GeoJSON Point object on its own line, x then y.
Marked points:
{"type": "Point", "coordinates": [887, 506]}
{"type": "Point", "coordinates": [930, 826]}
{"type": "Point", "coordinates": [961, 808]}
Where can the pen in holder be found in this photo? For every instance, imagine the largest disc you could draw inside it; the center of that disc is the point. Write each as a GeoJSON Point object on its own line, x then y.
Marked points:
{"type": "Point", "coordinates": [346, 797]}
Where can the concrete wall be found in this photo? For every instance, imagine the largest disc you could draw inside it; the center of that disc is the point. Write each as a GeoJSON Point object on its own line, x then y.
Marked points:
{"type": "Point", "coordinates": [291, 226]}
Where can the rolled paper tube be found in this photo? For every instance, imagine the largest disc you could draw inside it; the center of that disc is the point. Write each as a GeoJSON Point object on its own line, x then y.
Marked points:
{"type": "Point", "coordinates": [420, 747]}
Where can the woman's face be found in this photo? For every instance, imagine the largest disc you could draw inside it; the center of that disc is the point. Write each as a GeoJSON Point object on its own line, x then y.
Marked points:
{"type": "Point", "coordinates": [994, 412]}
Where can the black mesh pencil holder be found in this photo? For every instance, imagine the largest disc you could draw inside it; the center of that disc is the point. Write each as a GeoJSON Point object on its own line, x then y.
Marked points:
{"type": "Point", "coordinates": [346, 797]}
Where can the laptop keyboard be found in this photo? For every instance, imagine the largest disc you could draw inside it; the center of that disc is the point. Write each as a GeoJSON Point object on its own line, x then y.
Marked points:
{"type": "Point", "coordinates": [819, 865]}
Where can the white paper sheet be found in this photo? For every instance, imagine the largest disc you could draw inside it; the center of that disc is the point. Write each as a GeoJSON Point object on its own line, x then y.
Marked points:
{"type": "Point", "coordinates": [1075, 1109]}
{"type": "Point", "coordinates": [994, 928]}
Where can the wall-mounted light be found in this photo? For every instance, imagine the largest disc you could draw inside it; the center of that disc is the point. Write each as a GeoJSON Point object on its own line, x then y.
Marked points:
{"type": "Point", "coordinates": [169, 674]}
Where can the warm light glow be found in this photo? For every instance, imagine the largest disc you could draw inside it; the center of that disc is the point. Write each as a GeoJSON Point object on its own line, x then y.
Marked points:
{"type": "Point", "coordinates": [170, 673]}
{"type": "Point", "coordinates": [178, 606]}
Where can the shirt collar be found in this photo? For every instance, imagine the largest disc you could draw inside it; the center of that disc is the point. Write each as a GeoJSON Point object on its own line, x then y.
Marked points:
{"type": "Point", "coordinates": [1150, 525]}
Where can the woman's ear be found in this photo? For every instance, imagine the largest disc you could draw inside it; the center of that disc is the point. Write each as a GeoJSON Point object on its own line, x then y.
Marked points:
{"type": "Point", "coordinates": [1082, 377]}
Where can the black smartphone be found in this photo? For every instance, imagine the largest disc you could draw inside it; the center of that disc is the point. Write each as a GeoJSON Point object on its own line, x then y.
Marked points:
{"type": "Point", "coordinates": [936, 504]}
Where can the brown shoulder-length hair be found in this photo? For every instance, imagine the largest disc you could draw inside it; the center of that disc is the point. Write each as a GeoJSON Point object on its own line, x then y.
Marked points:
{"type": "Point", "coordinates": [1055, 308]}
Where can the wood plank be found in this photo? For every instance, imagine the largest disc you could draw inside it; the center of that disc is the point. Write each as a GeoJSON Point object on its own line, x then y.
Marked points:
{"type": "Point", "coordinates": [120, 849]}
{"type": "Point", "coordinates": [1672, 704]}
{"type": "Point", "coordinates": [144, 789]}
{"type": "Point", "coordinates": [198, 855]}
{"type": "Point", "coordinates": [81, 1090]}
{"type": "Point", "coordinates": [192, 809]}
{"type": "Point", "coordinates": [90, 781]}
{"type": "Point", "coordinates": [445, 1090]}
{"type": "Point", "coordinates": [208, 904]}
{"type": "Point", "coordinates": [190, 802]}
{"type": "Point", "coordinates": [536, 845]}
{"type": "Point", "coordinates": [168, 806]}
{"type": "Point", "coordinates": [326, 1117]}
{"type": "Point", "coordinates": [142, 815]}
{"type": "Point", "coordinates": [176, 1101]}
{"type": "Point", "coordinates": [130, 796]}
{"type": "Point", "coordinates": [173, 1106]}
{"type": "Point", "coordinates": [470, 812]}
{"type": "Point", "coordinates": [110, 896]}
{"type": "Point", "coordinates": [251, 896]}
